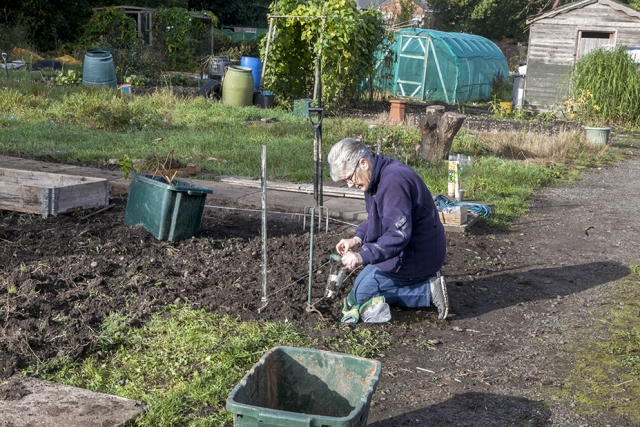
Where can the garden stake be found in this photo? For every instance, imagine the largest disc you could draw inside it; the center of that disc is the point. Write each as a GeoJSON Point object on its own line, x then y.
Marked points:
{"type": "Point", "coordinates": [264, 227]}
{"type": "Point", "coordinates": [311, 258]}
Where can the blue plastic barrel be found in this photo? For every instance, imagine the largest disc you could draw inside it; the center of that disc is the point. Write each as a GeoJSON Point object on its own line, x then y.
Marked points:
{"type": "Point", "coordinates": [256, 69]}
{"type": "Point", "coordinates": [99, 69]}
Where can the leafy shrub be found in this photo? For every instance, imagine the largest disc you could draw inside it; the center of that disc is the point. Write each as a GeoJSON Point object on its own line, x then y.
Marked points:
{"type": "Point", "coordinates": [173, 31]}
{"type": "Point", "coordinates": [136, 80]}
{"type": "Point", "coordinates": [111, 28]}
{"type": "Point", "coordinates": [605, 89]}
{"type": "Point", "coordinates": [349, 40]}
{"type": "Point", "coordinates": [71, 77]}
{"type": "Point", "coordinates": [502, 88]}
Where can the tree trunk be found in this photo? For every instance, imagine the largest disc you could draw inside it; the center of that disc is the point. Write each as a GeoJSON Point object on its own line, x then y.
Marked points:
{"type": "Point", "coordinates": [438, 129]}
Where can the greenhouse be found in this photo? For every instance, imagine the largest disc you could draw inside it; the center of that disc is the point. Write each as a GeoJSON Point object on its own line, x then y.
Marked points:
{"type": "Point", "coordinates": [436, 66]}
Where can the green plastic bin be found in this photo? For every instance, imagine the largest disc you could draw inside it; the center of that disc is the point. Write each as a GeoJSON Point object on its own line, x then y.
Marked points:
{"type": "Point", "coordinates": [301, 107]}
{"type": "Point", "coordinates": [292, 386]}
{"type": "Point", "coordinates": [169, 212]}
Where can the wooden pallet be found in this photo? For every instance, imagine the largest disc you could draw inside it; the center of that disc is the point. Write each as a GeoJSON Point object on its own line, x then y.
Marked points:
{"type": "Point", "coordinates": [50, 193]}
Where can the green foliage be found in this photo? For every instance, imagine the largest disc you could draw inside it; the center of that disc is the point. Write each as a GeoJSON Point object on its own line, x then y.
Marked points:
{"type": "Point", "coordinates": [137, 59]}
{"type": "Point", "coordinates": [174, 79]}
{"type": "Point", "coordinates": [17, 34]}
{"type": "Point", "coordinates": [360, 342]}
{"type": "Point", "coordinates": [71, 77]}
{"type": "Point", "coordinates": [500, 109]}
{"type": "Point", "coordinates": [605, 371]}
{"type": "Point", "coordinates": [605, 89]}
{"type": "Point", "coordinates": [348, 42]}
{"type": "Point", "coordinates": [522, 114]}
{"type": "Point", "coordinates": [48, 24]}
{"type": "Point", "coordinates": [488, 18]}
{"type": "Point", "coordinates": [126, 165]}
{"type": "Point", "coordinates": [136, 80]}
{"type": "Point", "coordinates": [406, 12]}
{"type": "Point", "coordinates": [246, 13]}
{"type": "Point", "coordinates": [627, 347]}
{"type": "Point", "coordinates": [173, 30]}
{"type": "Point", "coordinates": [502, 88]}
{"type": "Point", "coordinates": [112, 27]}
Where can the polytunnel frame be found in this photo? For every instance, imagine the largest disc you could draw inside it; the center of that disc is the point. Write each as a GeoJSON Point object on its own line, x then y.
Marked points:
{"type": "Point", "coordinates": [425, 49]}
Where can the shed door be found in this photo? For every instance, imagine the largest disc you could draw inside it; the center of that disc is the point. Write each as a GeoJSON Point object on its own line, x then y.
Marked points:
{"type": "Point", "coordinates": [412, 66]}
{"type": "Point", "coordinates": [592, 40]}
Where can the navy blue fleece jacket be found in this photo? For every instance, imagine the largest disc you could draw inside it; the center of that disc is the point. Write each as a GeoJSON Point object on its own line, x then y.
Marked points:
{"type": "Point", "coordinates": [403, 234]}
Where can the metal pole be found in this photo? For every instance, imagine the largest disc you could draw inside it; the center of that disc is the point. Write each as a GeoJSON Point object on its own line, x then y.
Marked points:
{"type": "Point", "coordinates": [313, 213]}
{"type": "Point", "coordinates": [266, 54]}
{"type": "Point", "coordinates": [264, 225]}
{"type": "Point", "coordinates": [317, 153]}
{"type": "Point", "coordinates": [317, 88]}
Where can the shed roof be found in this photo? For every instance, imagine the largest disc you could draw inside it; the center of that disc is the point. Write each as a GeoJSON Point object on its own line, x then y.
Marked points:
{"type": "Point", "coordinates": [613, 4]}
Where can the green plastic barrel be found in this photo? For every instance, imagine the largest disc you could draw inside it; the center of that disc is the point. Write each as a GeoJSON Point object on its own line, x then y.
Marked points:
{"type": "Point", "coordinates": [99, 69]}
{"type": "Point", "coordinates": [237, 86]}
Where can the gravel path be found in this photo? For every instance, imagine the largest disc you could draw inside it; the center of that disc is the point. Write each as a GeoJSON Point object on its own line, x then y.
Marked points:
{"type": "Point", "coordinates": [519, 329]}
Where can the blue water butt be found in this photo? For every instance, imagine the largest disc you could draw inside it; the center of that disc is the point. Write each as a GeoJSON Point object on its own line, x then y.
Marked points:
{"type": "Point", "coordinates": [256, 69]}
{"type": "Point", "coordinates": [99, 69]}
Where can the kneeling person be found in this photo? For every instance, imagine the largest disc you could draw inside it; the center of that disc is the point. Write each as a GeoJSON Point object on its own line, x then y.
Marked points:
{"type": "Point", "coordinates": [402, 242]}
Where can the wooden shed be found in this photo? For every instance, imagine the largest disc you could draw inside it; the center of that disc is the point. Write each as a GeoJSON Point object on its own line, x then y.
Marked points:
{"type": "Point", "coordinates": [559, 37]}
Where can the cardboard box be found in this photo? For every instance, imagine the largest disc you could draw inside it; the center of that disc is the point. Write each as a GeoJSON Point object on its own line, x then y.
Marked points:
{"type": "Point", "coordinates": [454, 218]}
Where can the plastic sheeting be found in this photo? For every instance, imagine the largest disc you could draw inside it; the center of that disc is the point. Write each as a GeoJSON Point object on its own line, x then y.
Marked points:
{"type": "Point", "coordinates": [433, 65]}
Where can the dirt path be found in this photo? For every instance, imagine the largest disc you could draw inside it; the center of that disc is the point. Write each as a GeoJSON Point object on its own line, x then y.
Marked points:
{"type": "Point", "coordinates": [519, 328]}
{"type": "Point", "coordinates": [522, 301]}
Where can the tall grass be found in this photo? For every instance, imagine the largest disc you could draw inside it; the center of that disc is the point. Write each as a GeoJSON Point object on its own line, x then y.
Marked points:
{"type": "Point", "coordinates": [612, 78]}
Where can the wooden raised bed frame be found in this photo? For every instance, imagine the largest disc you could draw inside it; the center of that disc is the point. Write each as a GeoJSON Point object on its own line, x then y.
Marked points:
{"type": "Point", "coordinates": [50, 193]}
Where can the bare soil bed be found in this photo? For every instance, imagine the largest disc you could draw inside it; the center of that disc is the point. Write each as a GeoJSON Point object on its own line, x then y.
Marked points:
{"type": "Point", "coordinates": [520, 298]}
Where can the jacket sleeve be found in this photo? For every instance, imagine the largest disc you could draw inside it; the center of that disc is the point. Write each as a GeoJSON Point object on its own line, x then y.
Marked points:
{"type": "Point", "coordinates": [395, 205]}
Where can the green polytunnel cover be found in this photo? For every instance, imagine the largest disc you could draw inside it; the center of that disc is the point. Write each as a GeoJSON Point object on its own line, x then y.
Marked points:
{"type": "Point", "coordinates": [431, 65]}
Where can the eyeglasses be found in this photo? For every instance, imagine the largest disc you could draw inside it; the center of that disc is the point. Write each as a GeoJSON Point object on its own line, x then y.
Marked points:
{"type": "Point", "coordinates": [350, 179]}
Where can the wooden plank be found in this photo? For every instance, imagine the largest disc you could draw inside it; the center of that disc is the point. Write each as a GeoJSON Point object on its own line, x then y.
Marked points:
{"type": "Point", "coordinates": [472, 218]}
{"type": "Point", "coordinates": [20, 198]}
{"type": "Point", "coordinates": [329, 191]}
{"type": "Point", "coordinates": [454, 218]}
{"type": "Point", "coordinates": [49, 193]}
{"type": "Point", "coordinates": [42, 179]}
{"type": "Point", "coordinates": [85, 196]}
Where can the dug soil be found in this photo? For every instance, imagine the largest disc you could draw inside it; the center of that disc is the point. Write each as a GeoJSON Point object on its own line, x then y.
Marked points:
{"type": "Point", "coordinates": [520, 298]}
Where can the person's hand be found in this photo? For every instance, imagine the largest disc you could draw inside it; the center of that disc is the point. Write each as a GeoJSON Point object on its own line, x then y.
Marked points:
{"type": "Point", "coordinates": [346, 245]}
{"type": "Point", "coordinates": [351, 260]}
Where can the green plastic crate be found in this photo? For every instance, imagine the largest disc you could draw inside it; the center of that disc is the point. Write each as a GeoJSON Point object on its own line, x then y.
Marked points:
{"type": "Point", "coordinates": [169, 212]}
{"type": "Point", "coordinates": [301, 107]}
{"type": "Point", "coordinates": [292, 386]}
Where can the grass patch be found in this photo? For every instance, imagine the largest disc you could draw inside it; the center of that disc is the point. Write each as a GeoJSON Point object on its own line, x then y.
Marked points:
{"type": "Point", "coordinates": [606, 373]}
{"type": "Point", "coordinates": [183, 363]}
{"type": "Point", "coordinates": [360, 342]}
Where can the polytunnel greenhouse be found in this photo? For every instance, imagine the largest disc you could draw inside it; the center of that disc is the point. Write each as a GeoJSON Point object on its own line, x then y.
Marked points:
{"type": "Point", "coordinates": [436, 66]}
